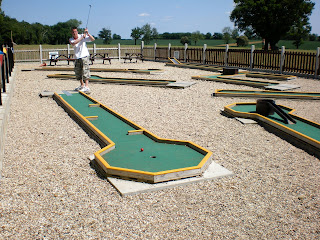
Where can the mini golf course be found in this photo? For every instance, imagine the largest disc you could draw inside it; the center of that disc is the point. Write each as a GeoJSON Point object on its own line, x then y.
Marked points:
{"type": "Point", "coordinates": [247, 82]}
{"type": "Point", "coordinates": [303, 131]}
{"type": "Point", "coordinates": [270, 76]}
{"type": "Point", "coordinates": [143, 71]}
{"type": "Point", "coordinates": [267, 94]}
{"type": "Point", "coordinates": [132, 81]}
{"type": "Point", "coordinates": [130, 151]}
{"type": "Point", "coordinates": [175, 63]}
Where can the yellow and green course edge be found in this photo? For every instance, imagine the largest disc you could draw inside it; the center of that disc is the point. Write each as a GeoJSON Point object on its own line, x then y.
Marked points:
{"type": "Point", "coordinates": [191, 159]}
{"type": "Point", "coordinates": [306, 132]}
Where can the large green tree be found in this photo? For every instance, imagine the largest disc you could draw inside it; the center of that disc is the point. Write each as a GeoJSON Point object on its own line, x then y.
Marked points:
{"type": "Point", "coordinates": [136, 34]}
{"type": "Point", "coordinates": [270, 19]}
{"type": "Point", "coordinates": [227, 34]}
{"type": "Point", "coordinates": [147, 33]}
{"type": "Point", "coordinates": [61, 32]}
{"type": "Point", "coordinates": [105, 34]}
{"type": "Point", "coordinates": [196, 36]}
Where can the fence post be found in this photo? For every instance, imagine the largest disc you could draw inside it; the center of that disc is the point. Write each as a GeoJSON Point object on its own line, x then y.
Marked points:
{"type": "Point", "coordinates": [169, 50]}
{"type": "Point", "coordinates": [226, 55]}
{"type": "Point", "coordinates": [40, 49]}
{"type": "Point", "coordinates": [283, 49]}
{"type": "Point", "coordinates": [251, 56]}
{"type": "Point", "coordinates": [142, 46]}
{"type": "Point", "coordinates": [155, 51]}
{"type": "Point", "coordinates": [119, 51]}
{"type": "Point", "coordinates": [68, 50]}
{"type": "Point", "coordinates": [185, 52]}
{"type": "Point", "coordinates": [317, 63]}
{"type": "Point", "coordinates": [94, 49]}
{"type": "Point", "coordinates": [204, 53]}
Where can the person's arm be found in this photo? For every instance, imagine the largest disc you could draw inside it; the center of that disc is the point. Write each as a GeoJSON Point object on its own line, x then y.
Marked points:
{"type": "Point", "coordinates": [87, 33]}
{"type": "Point", "coordinates": [77, 40]}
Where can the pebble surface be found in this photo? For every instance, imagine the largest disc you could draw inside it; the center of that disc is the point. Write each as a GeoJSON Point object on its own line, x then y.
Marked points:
{"type": "Point", "coordinates": [49, 189]}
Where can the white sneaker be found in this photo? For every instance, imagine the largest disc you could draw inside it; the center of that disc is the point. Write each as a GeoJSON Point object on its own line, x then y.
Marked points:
{"type": "Point", "coordinates": [85, 89]}
{"type": "Point", "coordinates": [78, 88]}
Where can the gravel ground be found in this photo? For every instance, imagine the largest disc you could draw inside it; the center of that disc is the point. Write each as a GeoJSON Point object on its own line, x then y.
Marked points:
{"type": "Point", "coordinates": [49, 189]}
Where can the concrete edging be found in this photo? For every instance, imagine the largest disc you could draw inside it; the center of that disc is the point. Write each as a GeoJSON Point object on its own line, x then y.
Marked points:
{"type": "Point", "coordinates": [5, 113]}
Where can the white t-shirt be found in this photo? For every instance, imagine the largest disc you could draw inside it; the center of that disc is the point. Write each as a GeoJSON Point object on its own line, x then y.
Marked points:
{"type": "Point", "coordinates": [80, 49]}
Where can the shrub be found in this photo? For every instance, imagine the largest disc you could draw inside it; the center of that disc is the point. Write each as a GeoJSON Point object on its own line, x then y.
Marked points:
{"type": "Point", "coordinates": [242, 41]}
{"type": "Point", "coordinates": [185, 40]}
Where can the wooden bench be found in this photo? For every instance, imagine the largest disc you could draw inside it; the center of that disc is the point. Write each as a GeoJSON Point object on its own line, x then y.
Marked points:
{"type": "Point", "coordinates": [103, 56]}
{"type": "Point", "coordinates": [55, 59]}
{"type": "Point", "coordinates": [131, 56]}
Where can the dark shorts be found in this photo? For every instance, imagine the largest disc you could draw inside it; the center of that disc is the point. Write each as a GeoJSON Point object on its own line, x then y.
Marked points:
{"type": "Point", "coordinates": [81, 68]}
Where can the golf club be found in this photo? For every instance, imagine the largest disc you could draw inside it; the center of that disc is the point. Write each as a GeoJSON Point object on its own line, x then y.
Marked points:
{"type": "Point", "coordinates": [88, 16]}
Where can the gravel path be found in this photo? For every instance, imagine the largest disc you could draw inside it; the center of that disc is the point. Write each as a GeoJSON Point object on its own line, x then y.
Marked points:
{"type": "Point", "coordinates": [49, 190]}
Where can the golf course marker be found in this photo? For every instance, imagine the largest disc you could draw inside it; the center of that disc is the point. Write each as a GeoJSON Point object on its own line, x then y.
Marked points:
{"type": "Point", "coordinates": [162, 159]}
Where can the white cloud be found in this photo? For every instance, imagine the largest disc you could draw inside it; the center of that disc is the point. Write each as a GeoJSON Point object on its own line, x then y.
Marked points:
{"type": "Point", "coordinates": [144, 15]}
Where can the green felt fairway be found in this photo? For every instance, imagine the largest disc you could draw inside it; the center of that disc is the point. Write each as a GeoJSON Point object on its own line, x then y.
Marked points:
{"type": "Point", "coordinates": [156, 156]}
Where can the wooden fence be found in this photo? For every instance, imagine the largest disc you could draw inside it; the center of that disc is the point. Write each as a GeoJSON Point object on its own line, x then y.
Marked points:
{"type": "Point", "coordinates": [287, 62]}
{"type": "Point", "coordinates": [41, 54]}
{"type": "Point", "coordinates": [281, 61]}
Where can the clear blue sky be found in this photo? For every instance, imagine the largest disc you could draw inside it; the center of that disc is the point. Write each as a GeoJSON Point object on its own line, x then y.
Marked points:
{"type": "Point", "coordinates": [120, 16]}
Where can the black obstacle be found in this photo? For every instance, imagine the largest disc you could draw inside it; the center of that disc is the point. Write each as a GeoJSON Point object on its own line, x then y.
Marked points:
{"type": "Point", "coordinates": [267, 107]}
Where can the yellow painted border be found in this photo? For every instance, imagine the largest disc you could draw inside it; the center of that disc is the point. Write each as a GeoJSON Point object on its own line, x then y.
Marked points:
{"type": "Point", "coordinates": [271, 76]}
{"type": "Point", "coordinates": [142, 81]}
{"type": "Point", "coordinates": [54, 68]}
{"type": "Point", "coordinates": [229, 110]}
{"type": "Point", "coordinates": [84, 120]}
{"type": "Point", "coordinates": [132, 132]}
{"type": "Point", "coordinates": [174, 59]}
{"type": "Point", "coordinates": [248, 94]}
{"type": "Point", "coordinates": [156, 138]}
{"type": "Point", "coordinates": [229, 79]}
{"type": "Point", "coordinates": [196, 66]}
{"type": "Point", "coordinates": [98, 155]}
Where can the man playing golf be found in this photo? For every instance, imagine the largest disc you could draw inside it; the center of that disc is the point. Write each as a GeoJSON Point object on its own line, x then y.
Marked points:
{"type": "Point", "coordinates": [81, 52]}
